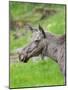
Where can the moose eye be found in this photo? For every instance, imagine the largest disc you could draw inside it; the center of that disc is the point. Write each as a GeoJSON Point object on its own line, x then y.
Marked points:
{"type": "Point", "coordinates": [37, 41]}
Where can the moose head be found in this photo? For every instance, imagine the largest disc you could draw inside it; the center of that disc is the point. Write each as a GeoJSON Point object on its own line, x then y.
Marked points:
{"type": "Point", "coordinates": [39, 45]}
{"type": "Point", "coordinates": [35, 47]}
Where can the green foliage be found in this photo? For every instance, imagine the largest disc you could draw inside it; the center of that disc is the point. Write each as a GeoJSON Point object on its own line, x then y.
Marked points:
{"type": "Point", "coordinates": [56, 23]}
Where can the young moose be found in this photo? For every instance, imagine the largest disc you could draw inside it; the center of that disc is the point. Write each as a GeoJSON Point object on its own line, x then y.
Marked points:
{"type": "Point", "coordinates": [48, 45]}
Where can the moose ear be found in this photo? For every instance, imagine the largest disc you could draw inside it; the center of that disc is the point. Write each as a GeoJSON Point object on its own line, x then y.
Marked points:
{"type": "Point", "coordinates": [29, 27]}
{"type": "Point", "coordinates": [41, 30]}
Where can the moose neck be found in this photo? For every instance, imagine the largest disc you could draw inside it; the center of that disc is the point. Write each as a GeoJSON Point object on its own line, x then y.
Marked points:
{"type": "Point", "coordinates": [50, 49]}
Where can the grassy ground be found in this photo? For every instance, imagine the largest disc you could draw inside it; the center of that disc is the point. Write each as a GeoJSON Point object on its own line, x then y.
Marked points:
{"type": "Point", "coordinates": [41, 73]}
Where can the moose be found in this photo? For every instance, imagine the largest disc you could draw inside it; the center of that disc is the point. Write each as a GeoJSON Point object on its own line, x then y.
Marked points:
{"type": "Point", "coordinates": [45, 44]}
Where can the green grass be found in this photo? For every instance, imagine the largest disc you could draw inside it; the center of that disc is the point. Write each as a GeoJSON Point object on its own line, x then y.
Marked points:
{"type": "Point", "coordinates": [41, 73]}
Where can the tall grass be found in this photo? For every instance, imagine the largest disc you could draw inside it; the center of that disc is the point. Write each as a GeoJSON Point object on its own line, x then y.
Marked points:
{"type": "Point", "coordinates": [41, 73]}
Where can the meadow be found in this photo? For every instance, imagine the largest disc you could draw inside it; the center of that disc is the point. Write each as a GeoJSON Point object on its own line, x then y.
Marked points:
{"type": "Point", "coordinates": [42, 72]}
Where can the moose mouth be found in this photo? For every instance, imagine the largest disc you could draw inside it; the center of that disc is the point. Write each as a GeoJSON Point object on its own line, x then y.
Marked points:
{"type": "Point", "coordinates": [23, 58]}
